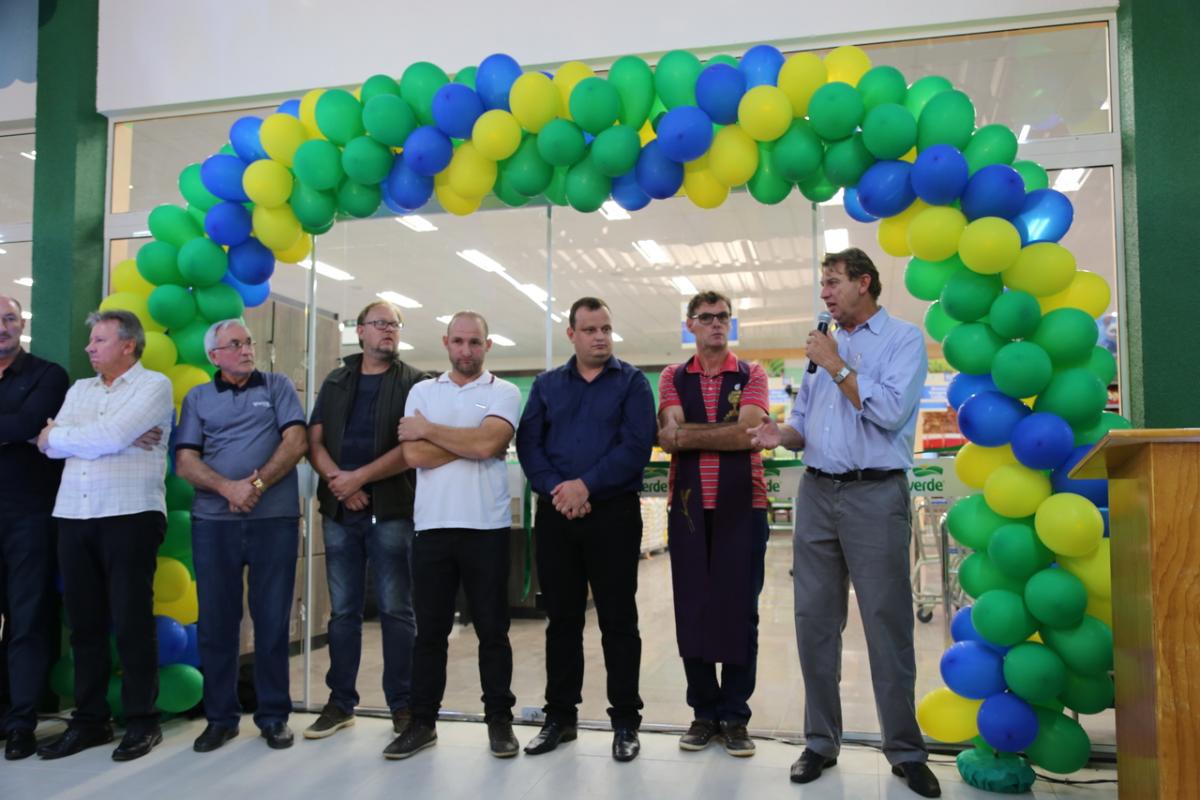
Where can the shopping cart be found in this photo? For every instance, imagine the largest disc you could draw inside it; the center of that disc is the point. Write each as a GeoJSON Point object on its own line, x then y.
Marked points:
{"type": "Point", "coordinates": [935, 560]}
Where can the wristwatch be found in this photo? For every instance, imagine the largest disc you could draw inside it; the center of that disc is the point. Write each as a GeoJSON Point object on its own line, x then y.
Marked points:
{"type": "Point", "coordinates": [257, 483]}
{"type": "Point", "coordinates": [842, 374]}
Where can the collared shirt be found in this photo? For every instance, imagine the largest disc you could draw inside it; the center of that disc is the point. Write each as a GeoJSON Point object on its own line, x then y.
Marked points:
{"type": "Point", "coordinates": [105, 475]}
{"type": "Point", "coordinates": [236, 430]}
{"type": "Point", "coordinates": [465, 493]}
{"type": "Point", "coordinates": [889, 358]}
{"type": "Point", "coordinates": [31, 391]}
{"type": "Point", "coordinates": [600, 431]}
{"type": "Point", "coordinates": [755, 393]}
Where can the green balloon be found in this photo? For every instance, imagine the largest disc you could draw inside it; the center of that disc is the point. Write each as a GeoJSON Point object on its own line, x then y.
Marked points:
{"type": "Point", "coordinates": [62, 677]}
{"type": "Point", "coordinates": [723, 58]}
{"type": "Point", "coordinates": [835, 110]}
{"type": "Point", "coordinates": [525, 171]}
{"type": "Point", "coordinates": [1021, 369]}
{"type": "Point", "coordinates": [418, 84]}
{"type": "Point", "coordinates": [948, 118]}
{"type": "Point", "coordinates": [180, 494]}
{"type": "Point", "coordinates": [1076, 395]}
{"type": "Point", "coordinates": [1102, 364]}
{"type": "Point", "coordinates": [1068, 336]}
{"type": "Point", "coordinates": [180, 687]}
{"type": "Point", "coordinates": [1017, 551]}
{"type": "Point", "coordinates": [466, 76]}
{"type": "Point", "coordinates": [1056, 598]}
{"type": "Point", "coordinates": [1000, 617]}
{"type": "Point", "coordinates": [1088, 694]}
{"type": "Point", "coordinates": [991, 144]}
{"type": "Point", "coordinates": [197, 214]}
{"type": "Point", "coordinates": [847, 160]}
{"type": "Point", "coordinates": [114, 655]}
{"type": "Point", "coordinates": [556, 190]}
{"type": "Point", "coordinates": [171, 306]}
{"type": "Point", "coordinates": [675, 78]}
{"type": "Point", "coordinates": [193, 189]}
{"type": "Point", "coordinates": [158, 263]}
{"type": "Point", "coordinates": [560, 143]}
{"type": "Point", "coordinates": [587, 187]}
{"type": "Point", "coordinates": [634, 81]}
{"type": "Point", "coordinates": [189, 340]}
{"type": "Point", "coordinates": [227, 150]}
{"type": "Point", "coordinates": [388, 119]}
{"type": "Point", "coordinates": [922, 91]}
{"type": "Point", "coordinates": [1109, 421]}
{"type": "Point", "coordinates": [924, 279]}
{"type": "Point", "coordinates": [314, 208]}
{"type": "Point", "coordinates": [366, 161]}
{"type": "Point", "coordinates": [656, 112]}
{"type": "Point", "coordinates": [173, 225]}
{"type": "Point", "coordinates": [378, 86]}
{"type": "Point", "coordinates": [357, 199]}
{"type": "Point", "coordinates": [971, 346]}
{"type": "Point", "coordinates": [178, 540]}
{"type": "Point", "coordinates": [615, 151]}
{"type": "Point", "coordinates": [1015, 314]}
{"type": "Point", "coordinates": [937, 324]}
{"type": "Point", "coordinates": [504, 190]}
{"type": "Point", "coordinates": [1086, 649]}
{"type": "Point", "coordinates": [882, 85]}
{"type": "Point", "coordinates": [1035, 177]}
{"type": "Point", "coordinates": [595, 104]}
{"type": "Point", "coordinates": [339, 116]}
{"type": "Point", "coordinates": [1061, 745]}
{"type": "Point", "coordinates": [817, 187]}
{"type": "Point", "coordinates": [202, 262]}
{"type": "Point", "coordinates": [889, 131]}
{"type": "Point", "coordinates": [968, 295]}
{"type": "Point", "coordinates": [219, 302]}
{"type": "Point", "coordinates": [798, 153]}
{"type": "Point", "coordinates": [318, 163]}
{"type": "Point", "coordinates": [972, 523]}
{"type": "Point", "coordinates": [766, 185]}
{"type": "Point", "coordinates": [1034, 673]}
{"type": "Point", "coordinates": [978, 575]}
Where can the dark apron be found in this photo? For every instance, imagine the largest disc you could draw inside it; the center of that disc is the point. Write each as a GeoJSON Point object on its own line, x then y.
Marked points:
{"type": "Point", "coordinates": [712, 586]}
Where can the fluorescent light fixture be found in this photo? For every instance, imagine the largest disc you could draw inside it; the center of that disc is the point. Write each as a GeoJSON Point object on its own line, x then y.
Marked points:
{"type": "Point", "coordinates": [26, 339]}
{"type": "Point", "coordinates": [26, 281]}
{"type": "Point", "coordinates": [745, 303]}
{"type": "Point", "coordinates": [837, 200]}
{"type": "Point", "coordinates": [331, 272]}
{"type": "Point", "coordinates": [611, 211]}
{"type": "Point", "coordinates": [503, 341]}
{"type": "Point", "coordinates": [445, 318]}
{"type": "Point", "coordinates": [481, 260]}
{"type": "Point", "coordinates": [685, 286]}
{"type": "Point", "coordinates": [395, 298]}
{"type": "Point", "coordinates": [26, 315]}
{"type": "Point", "coordinates": [31, 155]}
{"type": "Point", "coordinates": [1105, 106]}
{"type": "Point", "coordinates": [836, 240]}
{"type": "Point", "coordinates": [618, 337]}
{"type": "Point", "coordinates": [534, 292]}
{"type": "Point", "coordinates": [555, 317]}
{"type": "Point", "coordinates": [417, 223]}
{"type": "Point", "coordinates": [1071, 180]}
{"type": "Point", "coordinates": [3, 252]}
{"type": "Point", "coordinates": [403, 345]}
{"type": "Point", "coordinates": [652, 251]}
{"type": "Point", "coordinates": [140, 234]}
{"type": "Point", "coordinates": [1024, 135]}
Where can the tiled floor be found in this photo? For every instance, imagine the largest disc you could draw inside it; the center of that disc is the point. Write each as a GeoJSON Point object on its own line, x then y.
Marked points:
{"type": "Point", "coordinates": [349, 765]}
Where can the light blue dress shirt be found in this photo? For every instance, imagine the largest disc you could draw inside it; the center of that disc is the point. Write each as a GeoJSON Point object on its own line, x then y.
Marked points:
{"type": "Point", "coordinates": [889, 356]}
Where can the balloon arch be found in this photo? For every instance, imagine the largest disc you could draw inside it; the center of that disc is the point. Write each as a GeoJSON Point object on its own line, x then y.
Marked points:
{"type": "Point", "coordinates": [1014, 315]}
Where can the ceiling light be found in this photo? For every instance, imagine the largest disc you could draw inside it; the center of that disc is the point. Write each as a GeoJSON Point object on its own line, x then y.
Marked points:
{"type": "Point", "coordinates": [140, 234]}
{"type": "Point", "coordinates": [3, 252]}
{"type": "Point", "coordinates": [836, 240]}
{"type": "Point", "coordinates": [556, 317]}
{"type": "Point", "coordinates": [31, 155]}
{"type": "Point", "coordinates": [611, 211]}
{"type": "Point", "coordinates": [685, 286]}
{"type": "Point", "coordinates": [837, 200]}
{"type": "Point", "coordinates": [26, 315]}
{"type": "Point", "coordinates": [403, 345]}
{"type": "Point", "coordinates": [534, 292]}
{"type": "Point", "coordinates": [745, 303]}
{"type": "Point", "coordinates": [1071, 180]}
{"type": "Point", "coordinates": [1105, 106]}
{"type": "Point", "coordinates": [26, 339]}
{"type": "Point", "coordinates": [1024, 135]}
{"type": "Point", "coordinates": [417, 223]}
{"type": "Point", "coordinates": [395, 298]}
{"type": "Point", "coordinates": [617, 337]}
{"type": "Point", "coordinates": [503, 341]}
{"type": "Point", "coordinates": [652, 251]}
{"type": "Point", "coordinates": [333, 273]}
{"type": "Point", "coordinates": [484, 262]}
{"type": "Point", "coordinates": [26, 281]}
{"type": "Point", "coordinates": [445, 318]}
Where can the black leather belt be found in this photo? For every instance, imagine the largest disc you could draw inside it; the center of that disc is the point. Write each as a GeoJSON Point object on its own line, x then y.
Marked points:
{"type": "Point", "coordinates": [856, 475]}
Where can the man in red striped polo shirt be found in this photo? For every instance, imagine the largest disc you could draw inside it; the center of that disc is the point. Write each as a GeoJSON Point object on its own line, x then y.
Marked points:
{"type": "Point", "coordinates": [717, 523]}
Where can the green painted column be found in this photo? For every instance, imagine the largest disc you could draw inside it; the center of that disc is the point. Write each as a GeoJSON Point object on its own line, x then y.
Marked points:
{"type": "Point", "coordinates": [68, 184]}
{"type": "Point", "coordinates": [1158, 62]}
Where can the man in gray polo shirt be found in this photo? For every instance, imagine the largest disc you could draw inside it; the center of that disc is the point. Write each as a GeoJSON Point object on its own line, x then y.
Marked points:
{"type": "Point", "coordinates": [238, 442]}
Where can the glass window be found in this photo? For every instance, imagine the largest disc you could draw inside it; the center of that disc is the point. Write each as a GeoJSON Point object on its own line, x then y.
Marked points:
{"type": "Point", "coordinates": [17, 158]}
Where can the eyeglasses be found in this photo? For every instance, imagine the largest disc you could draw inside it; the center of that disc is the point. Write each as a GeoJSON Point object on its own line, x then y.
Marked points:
{"type": "Point", "coordinates": [235, 345]}
{"type": "Point", "coordinates": [384, 325]}
{"type": "Point", "coordinates": [707, 318]}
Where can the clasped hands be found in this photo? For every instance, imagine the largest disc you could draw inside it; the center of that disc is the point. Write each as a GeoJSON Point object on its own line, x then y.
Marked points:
{"type": "Point", "coordinates": [346, 486]}
{"type": "Point", "coordinates": [570, 499]}
{"type": "Point", "coordinates": [242, 494]}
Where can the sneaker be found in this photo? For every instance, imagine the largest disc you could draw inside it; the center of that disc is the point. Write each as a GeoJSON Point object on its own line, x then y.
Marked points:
{"type": "Point", "coordinates": [699, 735]}
{"type": "Point", "coordinates": [416, 737]}
{"type": "Point", "coordinates": [401, 719]}
{"type": "Point", "coordinates": [332, 720]}
{"type": "Point", "coordinates": [502, 740]}
{"type": "Point", "coordinates": [737, 740]}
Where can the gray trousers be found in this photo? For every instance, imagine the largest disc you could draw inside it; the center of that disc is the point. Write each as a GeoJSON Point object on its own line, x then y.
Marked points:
{"type": "Point", "coordinates": [856, 531]}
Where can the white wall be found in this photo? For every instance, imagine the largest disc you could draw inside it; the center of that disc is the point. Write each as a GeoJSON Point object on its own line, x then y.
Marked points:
{"type": "Point", "coordinates": [18, 63]}
{"type": "Point", "coordinates": [156, 55]}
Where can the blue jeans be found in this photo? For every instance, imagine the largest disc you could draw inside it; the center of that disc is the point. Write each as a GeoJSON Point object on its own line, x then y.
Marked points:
{"type": "Point", "coordinates": [221, 551]}
{"type": "Point", "coordinates": [348, 548]}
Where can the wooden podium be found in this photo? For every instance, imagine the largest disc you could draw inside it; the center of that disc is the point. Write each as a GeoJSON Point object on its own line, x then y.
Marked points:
{"type": "Point", "coordinates": [1154, 520]}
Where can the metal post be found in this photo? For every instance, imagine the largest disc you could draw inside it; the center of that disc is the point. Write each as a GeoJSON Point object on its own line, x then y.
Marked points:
{"type": "Point", "coordinates": [549, 287]}
{"type": "Point", "coordinates": [310, 505]}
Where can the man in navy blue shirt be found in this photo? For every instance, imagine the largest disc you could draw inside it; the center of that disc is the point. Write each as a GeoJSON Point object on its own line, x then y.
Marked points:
{"type": "Point", "coordinates": [583, 441]}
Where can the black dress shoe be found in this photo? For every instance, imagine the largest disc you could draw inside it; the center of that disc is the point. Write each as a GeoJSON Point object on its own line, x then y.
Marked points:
{"type": "Point", "coordinates": [809, 765]}
{"type": "Point", "coordinates": [501, 739]}
{"type": "Point", "coordinates": [549, 737]}
{"type": "Point", "coordinates": [625, 744]}
{"type": "Point", "coordinates": [920, 778]}
{"type": "Point", "coordinates": [278, 736]}
{"type": "Point", "coordinates": [135, 745]}
{"type": "Point", "coordinates": [213, 737]}
{"type": "Point", "coordinates": [76, 740]}
{"type": "Point", "coordinates": [20, 744]}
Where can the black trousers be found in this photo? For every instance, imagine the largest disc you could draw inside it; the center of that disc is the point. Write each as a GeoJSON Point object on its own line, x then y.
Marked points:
{"type": "Point", "coordinates": [108, 567]}
{"type": "Point", "coordinates": [27, 605]}
{"type": "Point", "coordinates": [478, 560]}
{"type": "Point", "coordinates": [601, 550]}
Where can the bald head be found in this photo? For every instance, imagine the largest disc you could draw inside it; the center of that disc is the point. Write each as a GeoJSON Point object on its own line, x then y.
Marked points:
{"type": "Point", "coordinates": [12, 325]}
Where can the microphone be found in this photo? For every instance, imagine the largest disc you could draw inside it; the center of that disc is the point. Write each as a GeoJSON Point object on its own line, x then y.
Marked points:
{"type": "Point", "coordinates": [823, 320]}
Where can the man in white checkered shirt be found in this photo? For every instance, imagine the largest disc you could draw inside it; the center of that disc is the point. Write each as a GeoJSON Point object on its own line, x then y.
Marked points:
{"type": "Point", "coordinates": [111, 514]}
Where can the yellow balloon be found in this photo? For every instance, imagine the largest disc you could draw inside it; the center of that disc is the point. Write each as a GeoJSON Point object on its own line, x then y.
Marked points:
{"type": "Point", "coordinates": [799, 78]}
{"type": "Point", "coordinates": [183, 378]}
{"type": "Point", "coordinates": [281, 135]}
{"type": "Point", "coordinates": [535, 101]}
{"type": "Point", "coordinates": [701, 186]}
{"type": "Point", "coordinates": [1069, 524]}
{"type": "Point", "coordinates": [1093, 569]}
{"type": "Point", "coordinates": [847, 64]}
{"type": "Point", "coordinates": [470, 173]}
{"type": "Point", "coordinates": [1035, 637]}
{"type": "Point", "coordinates": [1015, 491]}
{"type": "Point", "coordinates": [496, 134]}
{"type": "Point", "coordinates": [647, 134]}
{"type": "Point", "coordinates": [947, 716]}
{"type": "Point", "coordinates": [452, 201]}
{"type": "Point", "coordinates": [160, 353]}
{"type": "Point", "coordinates": [308, 113]}
{"type": "Point", "coordinates": [297, 252]}
{"type": "Point", "coordinates": [733, 156]}
{"type": "Point", "coordinates": [934, 233]}
{"type": "Point", "coordinates": [268, 183]}
{"type": "Point", "coordinates": [1042, 269]}
{"type": "Point", "coordinates": [989, 245]}
{"type": "Point", "coordinates": [185, 610]}
{"type": "Point", "coordinates": [765, 112]}
{"type": "Point", "coordinates": [277, 228]}
{"type": "Point", "coordinates": [892, 232]}
{"type": "Point", "coordinates": [910, 156]}
{"type": "Point", "coordinates": [1087, 291]}
{"type": "Point", "coordinates": [133, 303]}
{"type": "Point", "coordinates": [1101, 609]}
{"type": "Point", "coordinates": [975, 463]}
{"type": "Point", "coordinates": [171, 580]}
{"type": "Point", "coordinates": [126, 278]}
{"type": "Point", "coordinates": [565, 79]}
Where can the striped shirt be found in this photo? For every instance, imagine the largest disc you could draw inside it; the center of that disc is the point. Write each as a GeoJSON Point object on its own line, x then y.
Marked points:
{"type": "Point", "coordinates": [755, 393]}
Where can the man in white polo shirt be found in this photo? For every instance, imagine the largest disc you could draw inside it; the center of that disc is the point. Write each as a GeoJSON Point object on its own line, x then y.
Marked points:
{"type": "Point", "coordinates": [455, 431]}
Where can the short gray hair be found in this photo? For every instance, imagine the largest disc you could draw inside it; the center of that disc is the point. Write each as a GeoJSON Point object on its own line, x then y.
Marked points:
{"type": "Point", "coordinates": [129, 327]}
{"type": "Point", "coordinates": [214, 330]}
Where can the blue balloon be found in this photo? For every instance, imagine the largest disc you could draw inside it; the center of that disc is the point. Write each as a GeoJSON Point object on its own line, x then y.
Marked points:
{"type": "Point", "coordinates": [172, 640]}
{"type": "Point", "coordinates": [997, 190]}
{"type": "Point", "coordinates": [221, 174]}
{"type": "Point", "coordinates": [989, 418]}
{"type": "Point", "coordinates": [684, 133]}
{"type": "Point", "coordinates": [973, 670]}
{"type": "Point", "coordinates": [719, 89]}
{"type": "Point", "coordinates": [1042, 440]}
{"type": "Point", "coordinates": [939, 174]}
{"type": "Point", "coordinates": [885, 190]}
{"type": "Point", "coordinates": [1007, 723]}
{"type": "Point", "coordinates": [1095, 490]}
{"type": "Point", "coordinates": [427, 151]}
{"type": "Point", "coordinates": [494, 78]}
{"type": "Point", "coordinates": [243, 135]}
{"type": "Point", "coordinates": [1104, 516]}
{"type": "Point", "coordinates": [659, 176]}
{"type": "Point", "coordinates": [252, 294]}
{"type": "Point", "coordinates": [963, 386]}
{"type": "Point", "coordinates": [455, 109]}
{"type": "Point", "coordinates": [291, 107]}
{"type": "Point", "coordinates": [191, 655]}
{"type": "Point", "coordinates": [408, 189]}
{"type": "Point", "coordinates": [228, 223]}
{"type": "Point", "coordinates": [627, 194]}
{"type": "Point", "coordinates": [1046, 216]}
{"type": "Point", "coordinates": [854, 207]}
{"type": "Point", "coordinates": [251, 262]}
{"type": "Point", "coordinates": [761, 65]}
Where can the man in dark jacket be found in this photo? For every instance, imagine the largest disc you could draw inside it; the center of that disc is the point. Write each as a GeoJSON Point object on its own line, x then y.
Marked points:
{"type": "Point", "coordinates": [366, 498]}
